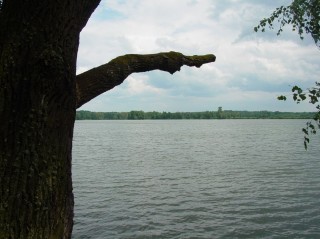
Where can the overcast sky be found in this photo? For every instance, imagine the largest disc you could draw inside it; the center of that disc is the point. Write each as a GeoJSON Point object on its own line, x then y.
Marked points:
{"type": "Point", "coordinates": [251, 69]}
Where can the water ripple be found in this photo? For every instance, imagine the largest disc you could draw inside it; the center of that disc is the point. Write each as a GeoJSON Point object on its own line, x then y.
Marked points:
{"type": "Point", "coordinates": [195, 179]}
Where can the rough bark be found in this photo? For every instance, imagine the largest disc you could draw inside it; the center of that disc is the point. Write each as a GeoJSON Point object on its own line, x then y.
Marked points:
{"type": "Point", "coordinates": [38, 49]}
{"type": "Point", "coordinates": [103, 78]}
{"type": "Point", "coordinates": [39, 94]}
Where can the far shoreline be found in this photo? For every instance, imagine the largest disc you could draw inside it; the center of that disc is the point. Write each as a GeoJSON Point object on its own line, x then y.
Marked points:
{"type": "Point", "coordinates": [220, 114]}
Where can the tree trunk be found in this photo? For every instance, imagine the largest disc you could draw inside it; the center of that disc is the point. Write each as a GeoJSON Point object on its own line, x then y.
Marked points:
{"type": "Point", "coordinates": [38, 49]}
{"type": "Point", "coordinates": [39, 95]}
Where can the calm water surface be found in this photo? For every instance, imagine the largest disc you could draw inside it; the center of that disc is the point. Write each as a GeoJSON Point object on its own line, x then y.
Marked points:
{"type": "Point", "coordinates": [195, 179]}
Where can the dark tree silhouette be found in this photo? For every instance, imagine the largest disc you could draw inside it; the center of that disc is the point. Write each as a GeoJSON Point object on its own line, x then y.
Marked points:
{"type": "Point", "coordinates": [39, 95]}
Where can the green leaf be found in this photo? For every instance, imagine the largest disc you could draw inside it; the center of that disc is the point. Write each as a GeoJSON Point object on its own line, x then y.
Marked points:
{"type": "Point", "coordinates": [302, 96]}
{"type": "Point", "coordinates": [304, 130]}
{"type": "Point", "coordinates": [282, 97]}
{"type": "Point", "coordinates": [295, 88]}
{"type": "Point", "coordinates": [313, 92]}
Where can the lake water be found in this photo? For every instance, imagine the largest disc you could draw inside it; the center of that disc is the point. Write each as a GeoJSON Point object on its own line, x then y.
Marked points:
{"type": "Point", "coordinates": [195, 179]}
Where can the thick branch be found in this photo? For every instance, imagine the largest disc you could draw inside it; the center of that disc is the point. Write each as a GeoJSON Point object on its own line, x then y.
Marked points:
{"type": "Point", "coordinates": [103, 78]}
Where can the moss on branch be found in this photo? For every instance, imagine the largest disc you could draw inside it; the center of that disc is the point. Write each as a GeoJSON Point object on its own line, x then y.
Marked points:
{"type": "Point", "coordinates": [103, 78]}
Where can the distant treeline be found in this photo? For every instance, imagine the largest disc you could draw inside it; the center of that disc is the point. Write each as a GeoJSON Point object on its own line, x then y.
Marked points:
{"type": "Point", "coordinates": [220, 114]}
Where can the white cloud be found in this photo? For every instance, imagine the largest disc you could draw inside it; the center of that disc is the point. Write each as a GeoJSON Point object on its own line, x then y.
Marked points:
{"type": "Point", "coordinates": [137, 84]}
{"type": "Point", "coordinates": [250, 66]}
